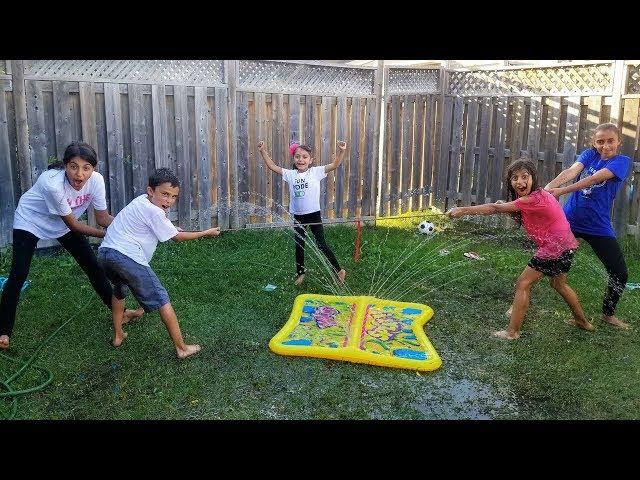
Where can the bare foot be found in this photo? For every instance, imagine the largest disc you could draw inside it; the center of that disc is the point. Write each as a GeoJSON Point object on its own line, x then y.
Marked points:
{"type": "Point", "coordinates": [615, 322]}
{"type": "Point", "coordinates": [580, 324]}
{"type": "Point", "coordinates": [299, 279]}
{"type": "Point", "coordinates": [341, 275]}
{"type": "Point", "coordinates": [4, 342]}
{"type": "Point", "coordinates": [504, 334]}
{"type": "Point", "coordinates": [187, 351]}
{"type": "Point", "coordinates": [132, 315]}
{"type": "Point", "coordinates": [118, 339]}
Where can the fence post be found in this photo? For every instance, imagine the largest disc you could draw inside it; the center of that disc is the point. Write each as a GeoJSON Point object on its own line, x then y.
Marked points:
{"type": "Point", "coordinates": [22, 131]}
{"type": "Point", "coordinates": [376, 190]}
{"type": "Point", "coordinates": [231, 67]}
{"type": "Point", "coordinates": [621, 203]}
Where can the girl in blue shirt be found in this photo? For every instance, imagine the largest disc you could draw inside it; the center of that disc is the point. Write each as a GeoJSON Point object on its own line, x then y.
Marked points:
{"type": "Point", "coordinates": [604, 171]}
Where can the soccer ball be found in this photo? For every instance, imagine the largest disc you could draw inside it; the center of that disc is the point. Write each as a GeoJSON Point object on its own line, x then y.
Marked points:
{"type": "Point", "coordinates": [426, 227]}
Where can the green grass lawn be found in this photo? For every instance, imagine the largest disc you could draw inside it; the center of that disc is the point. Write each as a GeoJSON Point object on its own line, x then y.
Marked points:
{"type": "Point", "coordinates": [553, 371]}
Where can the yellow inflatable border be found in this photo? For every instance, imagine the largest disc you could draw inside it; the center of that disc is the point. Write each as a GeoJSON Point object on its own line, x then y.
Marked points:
{"type": "Point", "coordinates": [351, 352]}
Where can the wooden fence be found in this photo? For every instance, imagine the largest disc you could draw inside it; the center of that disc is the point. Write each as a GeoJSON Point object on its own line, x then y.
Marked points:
{"type": "Point", "coordinates": [445, 137]}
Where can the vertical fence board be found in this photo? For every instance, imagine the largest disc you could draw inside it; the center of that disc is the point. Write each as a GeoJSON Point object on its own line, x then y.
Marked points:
{"type": "Point", "coordinates": [7, 173]}
{"type": "Point", "coordinates": [386, 158]}
{"type": "Point", "coordinates": [629, 131]}
{"type": "Point", "coordinates": [222, 156]}
{"type": "Point", "coordinates": [517, 129]}
{"type": "Point", "coordinates": [395, 159]}
{"type": "Point", "coordinates": [486, 114]}
{"type": "Point", "coordinates": [405, 155]}
{"type": "Point", "coordinates": [443, 164]}
{"type": "Point", "coordinates": [242, 117]}
{"type": "Point", "coordinates": [115, 150]}
{"type": "Point", "coordinates": [62, 113]}
{"type": "Point", "coordinates": [456, 145]}
{"type": "Point", "coordinates": [534, 127]}
{"type": "Point", "coordinates": [429, 134]}
{"type": "Point", "coordinates": [279, 148]}
{"type": "Point", "coordinates": [418, 144]}
{"type": "Point", "coordinates": [339, 173]}
{"type": "Point", "coordinates": [551, 138]}
{"type": "Point", "coordinates": [261, 180]}
{"type": "Point", "coordinates": [182, 155]}
{"type": "Point", "coordinates": [469, 152]}
{"type": "Point", "coordinates": [499, 140]}
{"type": "Point", "coordinates": [354, 149]}
{"type": "Point", "coordinates": [159, 112]}
{"type": "Point", "coordinates": [37, 130]}
{"type": "Point", "coordinates": [203, 159]}
{"type": "Point", "coordinates": [370, 161]}
{"type": "Point", "coordinates": [138, 126]}
{"type": "Point", "coordinates": [326, 152]}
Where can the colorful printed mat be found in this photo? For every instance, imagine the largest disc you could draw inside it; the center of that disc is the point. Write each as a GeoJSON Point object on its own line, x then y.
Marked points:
{"type": "Point", "coordinates": [358, 329]}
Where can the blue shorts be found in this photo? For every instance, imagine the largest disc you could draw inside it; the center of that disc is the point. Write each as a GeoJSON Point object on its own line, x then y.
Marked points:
{"type": "Point", "coordinates": [128, 275]}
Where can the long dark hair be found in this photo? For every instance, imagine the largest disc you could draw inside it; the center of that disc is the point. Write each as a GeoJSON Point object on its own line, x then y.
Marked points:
{"type": "Point", "coordinates": [76, 149]}
{"type": "Point", "coordinates": [522, 163]}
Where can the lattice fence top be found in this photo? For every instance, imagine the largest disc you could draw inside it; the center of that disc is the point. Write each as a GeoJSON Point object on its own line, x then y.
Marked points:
{"type": "Point", "coordinates": [633, 79]}
{"type": "Point", "coordinates": [282, 77]}
{"type": "Point", "coordinates": [565, 80]}
{"type": "Point", "coordinates": [413, 80]}
{"type": "Point", "coordinates": [178, 72]}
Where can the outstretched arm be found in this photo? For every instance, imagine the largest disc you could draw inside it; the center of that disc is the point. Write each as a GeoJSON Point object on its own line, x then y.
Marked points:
{"type": "Point", "coordinates": [598, 177]}
{"type": "Point", "coordinates": [565, 175]}
{"type": "Point", "coordinates": [267, 159]}
{"type": "Point", "coordinates": [82, 228]}
{"type": "Point", "coordinates": [342, 147]}
{"type": "Point", "coordinates": [485, 209]}
{"type": "Point", "coordinates": [184, 236]}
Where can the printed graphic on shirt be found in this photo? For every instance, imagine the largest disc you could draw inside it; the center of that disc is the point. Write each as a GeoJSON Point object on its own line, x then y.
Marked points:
{"type": "Point", "coordinates": [300, 185]}
{"type": "Point", "coordinates": [586, 192]}
{"type": "Point", "coordinates": [79, 200]}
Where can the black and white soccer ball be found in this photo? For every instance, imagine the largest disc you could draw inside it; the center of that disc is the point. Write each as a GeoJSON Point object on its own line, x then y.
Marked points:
{"type": "Point", "coordinates": [426, 227]}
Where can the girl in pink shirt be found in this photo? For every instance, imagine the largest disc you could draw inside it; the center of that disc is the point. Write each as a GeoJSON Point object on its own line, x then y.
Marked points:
{"type": "Point", "coordinates": [543, 218]}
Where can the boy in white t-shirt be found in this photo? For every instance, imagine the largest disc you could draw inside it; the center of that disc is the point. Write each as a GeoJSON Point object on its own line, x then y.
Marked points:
{"type": "Point", "coordinates": [127, 249]}
{"type": "Point", "coordinates": [304, 200]}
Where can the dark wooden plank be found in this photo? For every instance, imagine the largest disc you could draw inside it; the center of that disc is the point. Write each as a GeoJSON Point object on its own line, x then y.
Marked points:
{"type": "Point", "coordinates": [498, 143]}
{"type": "Point", "coordinates": [370, 184]}
{"type": "Point", "coordinates": [429, 150]}
{"type": "Point", "coordinates": [310, 120]}
{"type": "Point", "coordinates": [571, 132]}
{"type": "Point", "coordinates": [242, 117]}
{"type": "Point", "coordinates": [339, 173]}
{"type": "Point", "coordinates": [551, 138]}
{"type": "Point", "coordinates": [386, 160]}
{"type": "Point", "coordinates": [623, 200]}
{"type": "Point", "coordinates": [261, 180]}
{"type": "Point", "coordinates": [456, 147]}
{"type": "Point", "coordinates": [7, 172]}
{"type": "Point", "coordinates": [469, 152]}
{"type": "Point", "coordinates": [222, 156]}
{"type": "Point", "coordinates": [294, 119]}
{"type": "Point", "coordinates": [395, 159]}
{"type": "Point", "coordinates": [138, 126]}
{"type": "Point", "coordinates": [203, 159]}
{"type": "Point", "coordinates": [159, 111]}
{"type": "Point", "coordinates": [407, 151]}
{"type": "Point", "coordinates": [354, 158]}
{"type": "Point", "coordinates": [325, 205]}
{"type": "Point", "coordinates": [37, 129]}
{"type": "Point", "coordinates": [534, 128]}
{"type": "Point", "coordinates": [87, 98]}
{"type": "Point", "coordinates": [182, 155]}
{"type": "Point", "coordinates": [280, 149]}
{"type": "Point", "coordinates": [445, 149]}
{"type": "Point", "coordinates": [486, 117]}
{"type": "Point", "coordinates": [115, 149]}
{"type": "Point", "coordinates": [62, 114]}
{"type": "Point", "coordinates": [517, 128]}
{"type": "Point", "coordinates": [418, 146]}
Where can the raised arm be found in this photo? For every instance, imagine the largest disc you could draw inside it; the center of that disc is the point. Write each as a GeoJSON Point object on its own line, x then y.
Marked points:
{"type": "Point", "coordinates": [267, 159]}
{"type": "Point", "coordinates": [565, 175]}
{"type": "Point", "coordinates": [342, 147]}
{"type": "Point", "coordinates": [485, 209]}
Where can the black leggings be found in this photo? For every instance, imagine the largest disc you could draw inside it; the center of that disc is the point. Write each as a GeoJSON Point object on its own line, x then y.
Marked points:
{"type": "Point", "coordinates": [24, 245]}
{"type": "Point", "coordinates": [318, 233]}
{"type": "Point", "coordinates": [608, 251]}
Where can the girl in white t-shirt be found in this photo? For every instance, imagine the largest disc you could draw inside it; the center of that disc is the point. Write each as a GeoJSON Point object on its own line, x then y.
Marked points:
{"type": "Point", "coordinates": [304, 200]}
{"type": "Point", "coordinates": [50, 209]}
